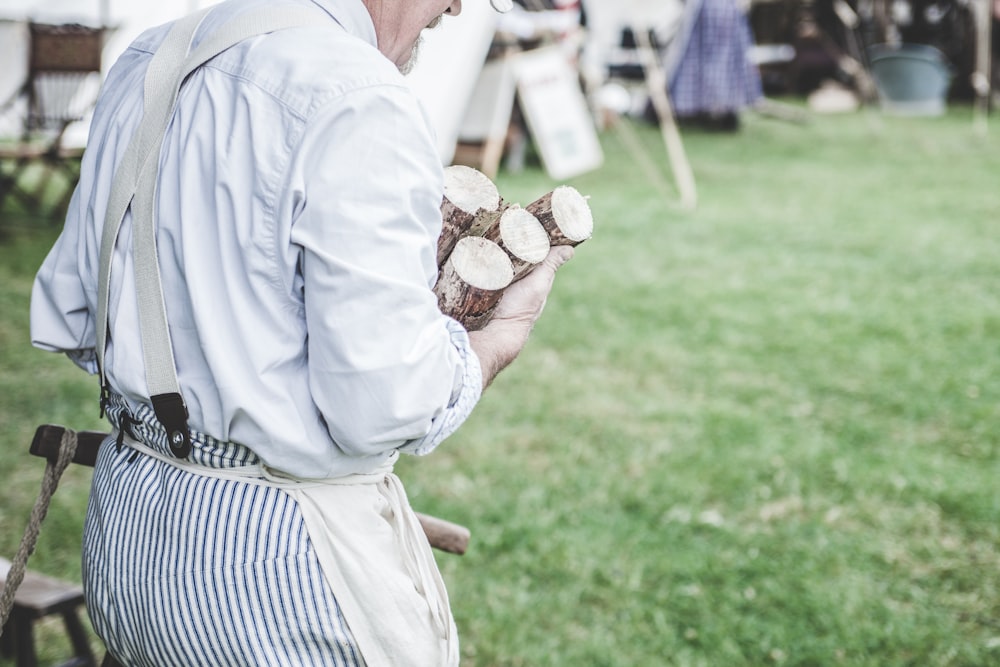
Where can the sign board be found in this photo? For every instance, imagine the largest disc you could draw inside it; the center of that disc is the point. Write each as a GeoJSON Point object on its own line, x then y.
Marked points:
{"type": "Point", "coordinates": [556, 113]}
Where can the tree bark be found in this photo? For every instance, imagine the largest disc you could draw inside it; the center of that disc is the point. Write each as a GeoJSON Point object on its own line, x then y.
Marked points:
{"type": "Point", "coordinates": [565, 215]}
{"type": "Point", "coordinates": [472, 281]}
{"type": "Point", "coordinates": [468, 195]}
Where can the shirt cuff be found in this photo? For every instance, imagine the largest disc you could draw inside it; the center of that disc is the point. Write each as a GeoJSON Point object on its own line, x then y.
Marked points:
{"type": "Point", "coordinates": [463, 400]}
{"type": "Point", "coordinates": [85, 359]}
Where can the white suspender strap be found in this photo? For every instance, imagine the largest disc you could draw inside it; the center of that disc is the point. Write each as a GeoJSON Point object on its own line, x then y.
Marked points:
{"type": "Point", "coordinates": [127, 176]}
{"type": "Point", "coordinates": [135, 184]}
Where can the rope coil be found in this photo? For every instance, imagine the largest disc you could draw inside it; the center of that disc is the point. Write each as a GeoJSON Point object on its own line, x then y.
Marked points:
{"type": "Point", "coordinates": [50, 481]}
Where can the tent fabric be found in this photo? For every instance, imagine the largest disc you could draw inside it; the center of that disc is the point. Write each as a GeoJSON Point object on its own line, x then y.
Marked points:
{"type": "Point", "coordinates": [606, 21]}
{"type": "Point", "coordinates": [449, 63]}
{"type": "Point", "coordinates": [125, 20]}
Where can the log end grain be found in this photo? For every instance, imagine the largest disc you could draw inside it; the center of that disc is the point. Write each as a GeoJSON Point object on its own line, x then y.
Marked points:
{"type": "Point", "coordinates": [523, 235]}
{"type": "Point", "coordinates": [481, 264]}
{"type": "Point", "coordinates": [572, 213]}
{"type": "Point", "coordinates": [565, 214]}
{"type": "Point", "coordinates": [470, 190]}
{"type": "Point", "coordinates": [468, 196]}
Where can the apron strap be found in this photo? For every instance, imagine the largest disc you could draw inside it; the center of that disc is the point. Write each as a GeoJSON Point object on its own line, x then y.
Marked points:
{"type": "Point", "coordinates": [134, 185]}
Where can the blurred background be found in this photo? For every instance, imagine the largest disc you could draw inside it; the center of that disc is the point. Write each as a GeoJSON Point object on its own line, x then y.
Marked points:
{"type": "Point", "coordinates": [758, 422]}
{"type": "Point", "coordinates": [699, 62]}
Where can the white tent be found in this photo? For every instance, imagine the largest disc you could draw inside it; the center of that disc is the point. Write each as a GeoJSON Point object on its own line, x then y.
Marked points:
{"type": "Point", "coordinates": [606, 19]}
{"type": "Point", "coordinates": [125, 18]}
{"type": "Point", "coordinates": [448, 66]}
{"type": "Point", "coordinates": [450, 59]}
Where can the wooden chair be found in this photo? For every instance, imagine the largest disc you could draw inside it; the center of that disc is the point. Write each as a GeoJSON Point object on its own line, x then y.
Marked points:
{"type": "Point", "coordinates": [39, 596]}
{"type": "Point", "coordinates": [63, 79]}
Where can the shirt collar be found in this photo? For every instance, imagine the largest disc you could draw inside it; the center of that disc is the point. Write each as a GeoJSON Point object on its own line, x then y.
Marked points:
{"type": "Point", "coordinates": [353, 16]}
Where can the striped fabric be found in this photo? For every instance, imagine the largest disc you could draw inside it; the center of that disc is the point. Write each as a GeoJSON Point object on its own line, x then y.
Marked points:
{"type": "Point", "coordinates": [184, 569]}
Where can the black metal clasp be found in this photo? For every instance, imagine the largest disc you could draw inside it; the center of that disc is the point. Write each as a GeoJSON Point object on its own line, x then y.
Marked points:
{"type": "Point", "coordinates": [125, 422]}
{"type": "Point", "coordinates": [173, 414]}
{"type": "Point", "coordinates": [105, 398]}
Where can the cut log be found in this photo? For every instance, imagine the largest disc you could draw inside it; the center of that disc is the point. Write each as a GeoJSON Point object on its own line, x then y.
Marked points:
{"type": "Point", "coordinates": [445, 535]}
{"type": "Point", "coordinates": [523, 238]}
{"type": "Point", "coordinates": [565, 215]}
{"type": "Point", "coordinates": [467, 194]}
{"type": "Point", "coordinates": [473, 280]}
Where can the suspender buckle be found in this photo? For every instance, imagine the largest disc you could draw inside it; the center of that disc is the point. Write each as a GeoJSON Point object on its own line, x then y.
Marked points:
{"type": "Point", "coordinates": [173, 414]}
{"type": "Point", "coordinates": [105, 398]}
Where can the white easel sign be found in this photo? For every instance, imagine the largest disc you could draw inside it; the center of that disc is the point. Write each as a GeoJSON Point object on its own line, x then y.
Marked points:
{"type": "Point", "coordinates": [556, 113]}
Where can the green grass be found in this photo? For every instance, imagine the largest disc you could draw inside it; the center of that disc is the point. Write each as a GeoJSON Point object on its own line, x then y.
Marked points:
{"type": "Point", "coordinates": [762, 432]}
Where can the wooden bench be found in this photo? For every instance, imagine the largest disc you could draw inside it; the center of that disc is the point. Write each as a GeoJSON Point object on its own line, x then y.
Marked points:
{"type": "Point", "coordinates": [37, 597]}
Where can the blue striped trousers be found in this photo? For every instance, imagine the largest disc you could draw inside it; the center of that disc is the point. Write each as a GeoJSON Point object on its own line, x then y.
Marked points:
{"type": "Point", "coordinates": [184, 569]}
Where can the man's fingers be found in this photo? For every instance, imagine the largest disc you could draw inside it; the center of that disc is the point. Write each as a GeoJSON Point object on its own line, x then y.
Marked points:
{"type": "Point", "coordinates": [525, 299]}
{"type": "Point", "coordinates": [558, 255]}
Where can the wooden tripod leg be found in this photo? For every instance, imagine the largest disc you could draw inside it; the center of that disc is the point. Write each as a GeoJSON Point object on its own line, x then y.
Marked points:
{"type": "Point", "coordinates": [78, 637]}
{"type": "Point", "coordinates": [656, 83]}
{"type": "Point", "coordinates": [24, 638]}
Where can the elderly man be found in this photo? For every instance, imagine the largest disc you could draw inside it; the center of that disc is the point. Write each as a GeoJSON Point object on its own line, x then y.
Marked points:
{"type": "Point", "coordinates": [247, 264]}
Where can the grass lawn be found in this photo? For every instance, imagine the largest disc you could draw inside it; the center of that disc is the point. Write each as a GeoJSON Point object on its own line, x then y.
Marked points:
{"type": "Point", "coordinates": [764, 432]}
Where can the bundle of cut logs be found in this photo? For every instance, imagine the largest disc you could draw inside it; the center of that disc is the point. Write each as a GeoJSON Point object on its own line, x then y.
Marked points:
{"type": "Point", "coordinates": [488, 243]}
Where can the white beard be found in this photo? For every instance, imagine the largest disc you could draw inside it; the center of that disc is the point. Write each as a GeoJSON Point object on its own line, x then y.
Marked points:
{"type": "Point", "coordinates": [412, 60]}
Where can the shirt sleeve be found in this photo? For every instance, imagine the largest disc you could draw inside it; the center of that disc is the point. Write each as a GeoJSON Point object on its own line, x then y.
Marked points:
{"type": "Point", "coordinates": [61, 319]}
{"type": "Point", "coordinates": [387, 370]}
{"type": "Point", "coordinates": [468, 390]}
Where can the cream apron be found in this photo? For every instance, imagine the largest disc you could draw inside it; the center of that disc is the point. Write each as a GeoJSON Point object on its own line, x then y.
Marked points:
{"type": "Point", "coordinates": [369, 542]}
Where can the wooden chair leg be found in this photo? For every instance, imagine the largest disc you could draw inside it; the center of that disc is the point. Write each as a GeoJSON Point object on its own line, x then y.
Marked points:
{"type": "Point", "coordinates": [78, 638]}
{"type": "Point", "coordinates": [14, 188]}
{"type": "Point", "coordinates": [9, 187]}
{"type": "Point", "coordinates": [41, 188]}
{"type": "Point", "coordinates": [24, 640]}
{"type": "Point", "coordinates": [7, 641]}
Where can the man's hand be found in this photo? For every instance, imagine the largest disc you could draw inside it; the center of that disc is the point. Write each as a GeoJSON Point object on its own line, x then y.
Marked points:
{"type": "Point", "coordinates": [499, 342]}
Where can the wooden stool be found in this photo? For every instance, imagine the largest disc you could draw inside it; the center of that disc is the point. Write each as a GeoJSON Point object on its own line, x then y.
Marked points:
{"type": "Point", "coordinates": [37, 597]}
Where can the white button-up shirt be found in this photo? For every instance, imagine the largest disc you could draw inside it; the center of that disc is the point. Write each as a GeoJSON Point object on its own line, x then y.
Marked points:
{"type": "Point", "coordinates": [298, 212]}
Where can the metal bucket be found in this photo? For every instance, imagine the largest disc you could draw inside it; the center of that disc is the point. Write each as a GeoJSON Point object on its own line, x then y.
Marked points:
{"type": "Point", "coordinates": [912, 79]}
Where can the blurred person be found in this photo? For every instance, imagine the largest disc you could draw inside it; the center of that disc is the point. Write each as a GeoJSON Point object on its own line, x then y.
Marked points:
{"type": "Point", "coordinates": [711, 77]}
{"type": "Point", "coordinates": [252, 517]}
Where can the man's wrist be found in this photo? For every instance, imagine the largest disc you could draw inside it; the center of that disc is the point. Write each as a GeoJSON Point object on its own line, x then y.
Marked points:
{"type": "Point", "coordinates": [497, 345]}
